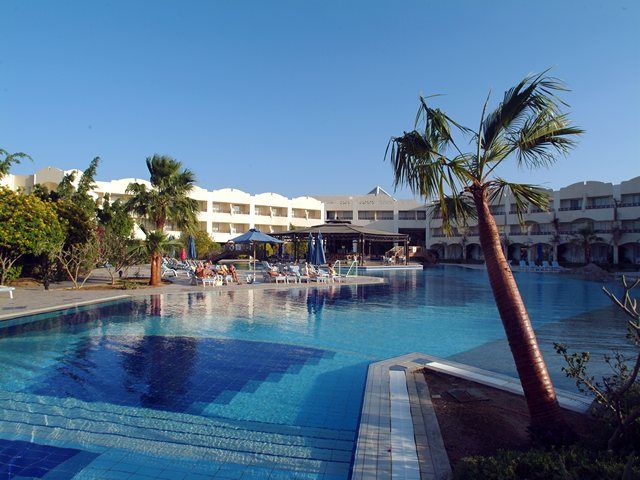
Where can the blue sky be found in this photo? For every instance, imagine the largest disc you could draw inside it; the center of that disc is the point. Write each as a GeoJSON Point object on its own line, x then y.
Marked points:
{"type": "Point", "coordinates": [302, 97]}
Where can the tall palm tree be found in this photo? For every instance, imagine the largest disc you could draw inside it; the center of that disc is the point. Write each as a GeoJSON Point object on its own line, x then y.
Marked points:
{"type": "Point", "coordinates": [584, 238]}
{"type": "Point", "coordinates": [528, 127]}
{"type": "Point", "coordinates": [166, 201]}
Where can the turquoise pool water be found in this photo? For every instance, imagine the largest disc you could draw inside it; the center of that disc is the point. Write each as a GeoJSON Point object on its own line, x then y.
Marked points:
{"type": "Point", "coordinates": [234, 384]}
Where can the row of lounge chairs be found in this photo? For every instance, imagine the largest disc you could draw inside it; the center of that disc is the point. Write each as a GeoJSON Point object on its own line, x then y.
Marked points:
{"type": "Point", "coordinates": [292, 274]}
{"type": "Point", "coordinates": [545, 266]}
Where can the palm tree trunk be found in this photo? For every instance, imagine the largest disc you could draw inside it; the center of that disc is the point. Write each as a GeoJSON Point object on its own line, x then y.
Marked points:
{"type": "Point", "coordinates": [536, 383]}
{"type": "Point", "coordinates": [156, 267]}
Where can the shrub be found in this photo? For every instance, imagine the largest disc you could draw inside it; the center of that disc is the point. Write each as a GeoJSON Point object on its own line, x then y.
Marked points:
{"type": "Point", "coordinates": [569, 463]}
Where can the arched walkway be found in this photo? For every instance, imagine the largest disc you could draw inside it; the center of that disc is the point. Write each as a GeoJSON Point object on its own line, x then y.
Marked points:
{"type": "Point", "coordinates": [629, 253]}
{"type": "Point", "coordinates": [570, 252]}
{"type": "Point", "coordinates": [454, 251]}
{"type": "Point", "coordinates": [474, 252]}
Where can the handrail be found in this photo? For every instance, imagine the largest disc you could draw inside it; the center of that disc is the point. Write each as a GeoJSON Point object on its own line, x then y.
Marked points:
{"type": "Point", "coordinates": [352, 266]}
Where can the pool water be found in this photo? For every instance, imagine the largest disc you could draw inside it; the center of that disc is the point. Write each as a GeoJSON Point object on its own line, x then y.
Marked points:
{"type": "Point", "coordinates": [234, 384]}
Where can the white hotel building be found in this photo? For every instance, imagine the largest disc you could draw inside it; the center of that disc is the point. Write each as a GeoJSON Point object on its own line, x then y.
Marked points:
{"type": "Point", "coordinates": [611, 210]}
{"type": "Point", "coordinates": [224, 213]}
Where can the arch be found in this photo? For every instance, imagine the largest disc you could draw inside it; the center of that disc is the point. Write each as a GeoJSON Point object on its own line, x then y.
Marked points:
{"type": "Point", "coordinates": [440, 249]}
{"type": "Point", "coordinates": [454, 251]}
{"type": "Point", "coordinates": [601, 252]}
{"type": "Point", "coordinates": [570, 253]}
{"type": "Point", "coordinates": [541, 251]}
{"type": "Point", "coordinates": [515, 252]}
{"type": "Point", "coordinates": [474, 251]}
{"type": "Point", "coordinates": [629, 253]}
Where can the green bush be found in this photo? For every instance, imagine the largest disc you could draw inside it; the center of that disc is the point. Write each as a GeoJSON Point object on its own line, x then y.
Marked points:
{"type": "Point", "coordinates": [13, 273]}
{"type": "Point", "coordinates": [570, 463]}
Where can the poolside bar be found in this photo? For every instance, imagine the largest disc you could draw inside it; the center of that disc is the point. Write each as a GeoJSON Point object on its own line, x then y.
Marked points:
{"type": "Point", "coordinates": [342, 240]}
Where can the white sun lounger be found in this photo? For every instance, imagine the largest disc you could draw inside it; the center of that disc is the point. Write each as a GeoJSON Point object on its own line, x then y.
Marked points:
{"type": "Point", "coordinates": [7, 289]}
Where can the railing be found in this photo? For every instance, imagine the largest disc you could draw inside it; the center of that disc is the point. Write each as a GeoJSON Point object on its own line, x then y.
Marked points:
{"type": "Point", "coordinates": [352, 266]}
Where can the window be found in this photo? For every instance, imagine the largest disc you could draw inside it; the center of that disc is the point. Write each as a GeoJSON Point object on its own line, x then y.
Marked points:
{"type": "Point", "coordinates": [316, 214]}
{"type": "Point", "coordinates": [384, 215]}
{"type": "Point", "coordinates": [421, 214]}
{"type": "Point", "coordinates": [516, 230]}
{"type": "Point", "coordinates": [366, 215]}
{"type": "Point", "coordinates": [332, 215]}
{"type": "Point", "coordinates": [601, 227]}
{"type": "Point", "coordinates": [571, 204]}
{"type": "Point", "coordinates": [630, 200]}
{"type": "Point", "coordinates": [600, 202]}
{"type": "Point", "coordinates": [299, 213]}
{"type": "Point", "coordinates": [202, 205]}
{"type": "Point", "coordinates": [497, 209]}
{"type": "Point", "coordinates": [406, 215]}
{"type": "Point", "coordinates": [216, 207]}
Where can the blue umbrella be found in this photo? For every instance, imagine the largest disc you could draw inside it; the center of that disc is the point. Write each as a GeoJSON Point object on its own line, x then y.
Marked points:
{"type": "Point", "coordinates": [310, 249]}
{"type": "Point", "coordinates": [318, 255]}
{"type": "Point", "coordinates": [253, 237]}
{"type": "Point", "coordinates": [191, 248]}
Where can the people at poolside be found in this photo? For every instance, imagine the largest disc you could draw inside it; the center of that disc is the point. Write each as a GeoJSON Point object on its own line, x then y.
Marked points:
{"type": "Point", "coordinates": [233, 273]}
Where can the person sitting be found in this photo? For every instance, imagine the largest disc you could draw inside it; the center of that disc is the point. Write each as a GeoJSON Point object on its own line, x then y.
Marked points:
{"type": "Point", "coordinates": [233, 273]}
{"type": "Point", "coordinates": [331, 270]}
{"type": "Point", "coordinates": [309, 271]}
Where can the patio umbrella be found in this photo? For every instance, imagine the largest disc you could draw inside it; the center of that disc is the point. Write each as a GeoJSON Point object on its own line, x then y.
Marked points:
{"type": "Point", "coordinates": [254, 237]}
{"type": "Point", "coordinates": [191, 245]}
{"type": "Point", "coordinates": [310, 249]}
{"type": "Point", "coordinates": [318, 255]}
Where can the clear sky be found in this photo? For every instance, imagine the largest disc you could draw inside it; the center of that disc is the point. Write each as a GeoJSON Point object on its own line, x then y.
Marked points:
{"type": "Point", "coordinates": [301, 97]}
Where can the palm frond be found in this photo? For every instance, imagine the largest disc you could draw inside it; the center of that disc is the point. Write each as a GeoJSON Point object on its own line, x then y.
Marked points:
{"type": "Point", "coordinates": [544, 136]}
{"type": "Point", "coordinates": [456, 210]}
{"type": "Point", "coordinates": [533, 93]}
{"type": "Point", "coordinates": [523, 194]}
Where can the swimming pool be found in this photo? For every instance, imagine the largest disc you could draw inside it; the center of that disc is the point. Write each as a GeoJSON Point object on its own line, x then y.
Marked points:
{"type": "Point", "coordinates": [234, 384]}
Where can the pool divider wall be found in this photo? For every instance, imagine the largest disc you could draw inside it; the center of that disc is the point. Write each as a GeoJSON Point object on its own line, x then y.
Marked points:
{"type": "Point", "coordinates": [382, 451]}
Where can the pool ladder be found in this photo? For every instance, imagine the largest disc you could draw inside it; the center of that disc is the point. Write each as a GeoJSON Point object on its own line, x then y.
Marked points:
{"type": "Point", "coordinates": [353, 266]}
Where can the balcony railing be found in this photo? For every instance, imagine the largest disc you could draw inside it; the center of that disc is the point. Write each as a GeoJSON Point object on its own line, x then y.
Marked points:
{"type": "Point", "coordinates": [564, 209]}
{"type": "Point", "coordinates": [594, 207]}
{"type": "Point", "coordinates": [629, 204]}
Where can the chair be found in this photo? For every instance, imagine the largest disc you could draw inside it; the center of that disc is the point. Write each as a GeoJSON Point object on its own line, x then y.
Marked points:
{"type": "Point", "coordinates": [555, 266]}
{"type": "Point", "coordinates": [545, 266]}
{"type": "Point", "coordinates": [295, 271]}
{"type": "Point", "coordinates": [7, 289]}
{"type": "Point", "coordinates": [523, 266]}
{"type": "Point", "coordinates": [533, 267]}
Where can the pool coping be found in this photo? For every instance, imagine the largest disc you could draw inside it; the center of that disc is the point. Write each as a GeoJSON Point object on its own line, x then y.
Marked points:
{"type": "Point", "coordinates": [378, 439]}
{"type": "Point", "coordinates": [65, 306]}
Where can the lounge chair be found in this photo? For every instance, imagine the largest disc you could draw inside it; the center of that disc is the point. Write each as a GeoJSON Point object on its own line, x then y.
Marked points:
{"type": "Point", "coordinates": [533, 267]}
{"type": "Point", "coordinates": [523, 266]}
{"type": "Point", "coordinates": [555, 266]}
{"type": "Point", "coordinates": [545, 266]}
{"type": "Point", "coordinates": [295, 272]}
{"type": "Point", "coordinates": [7, 289]}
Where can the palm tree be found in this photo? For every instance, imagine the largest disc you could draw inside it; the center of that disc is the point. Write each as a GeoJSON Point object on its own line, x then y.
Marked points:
{"type": "Point", "coordinates": [584, 238]}
{"type": "Point", "coordinates": [527, 126]}
{"type": "Point", "coordinates": [7, 160]}
{"type": "Point", "coordinates": [166, 201]}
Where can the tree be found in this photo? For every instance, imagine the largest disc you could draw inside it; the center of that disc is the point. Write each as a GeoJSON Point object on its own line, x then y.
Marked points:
{"type": "Point", "coordinates": [118, 249]}
{"type": "Point", "coordinates": [205, 246]}
{"type": "Point", "coordinates": [528, 126]}
{"type": "Point", "coordinates": [617, 395]}
{"type": "Point", "coordinates": [8, 159]}
{"type": "Point", "coordinates": [79, 259]}
{"type": "Point", "coordinates": [167, 201]}
{"type": "Point", "coordinates": [156, 244]}
{"type": "Point", "coordinates": [584, 239]}
{"type": "Point", "coordinates": [28, 225]}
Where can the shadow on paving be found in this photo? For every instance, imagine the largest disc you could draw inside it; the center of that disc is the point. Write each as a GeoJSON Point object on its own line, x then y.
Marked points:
{"type": "Point", "coordinates": [597, 332]}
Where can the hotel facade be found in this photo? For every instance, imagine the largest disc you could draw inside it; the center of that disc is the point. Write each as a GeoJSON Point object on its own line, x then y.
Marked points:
{"type": "Point", "coordinates": [612, 211]}
{"type": "Point", "coordinates": [223, 214]}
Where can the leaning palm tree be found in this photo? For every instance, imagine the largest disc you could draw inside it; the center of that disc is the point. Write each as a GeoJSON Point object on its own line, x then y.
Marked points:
{"type": "Point", "coordinates": [166, 201]}
{"type": "Point", "coordinates": [528, 127]}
